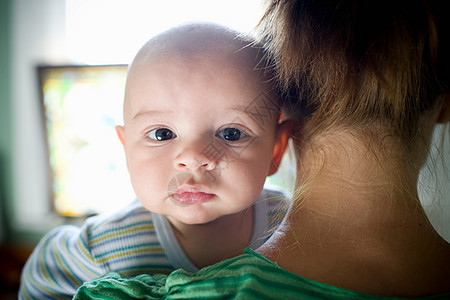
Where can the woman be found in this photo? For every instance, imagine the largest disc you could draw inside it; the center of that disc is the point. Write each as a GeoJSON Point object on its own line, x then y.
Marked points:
{"type": "Point", "coordinates": [371, 80]}
{"type": "Point", "coordinates": [373, 77]}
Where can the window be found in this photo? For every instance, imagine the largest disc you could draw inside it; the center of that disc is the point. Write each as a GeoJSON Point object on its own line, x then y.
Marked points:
{"type": "Point", "coordinates": [82, 105]}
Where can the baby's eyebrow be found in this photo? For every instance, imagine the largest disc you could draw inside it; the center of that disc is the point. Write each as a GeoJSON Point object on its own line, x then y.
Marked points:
{"type": "Point", "coordinates": [148, 113]}
{"type": "Point", "coordinates": [259, 114]}
{"type": "Point", "coordinates": [238, 108]}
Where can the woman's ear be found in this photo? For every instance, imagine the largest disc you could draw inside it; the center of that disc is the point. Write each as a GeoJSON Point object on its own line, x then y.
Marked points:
{"type": "Point", "coordinates": [283, 135]}
{"type": "Point", "coordinates": [444, 115]}
{"type": "Point", "coordinates": [121, 134]}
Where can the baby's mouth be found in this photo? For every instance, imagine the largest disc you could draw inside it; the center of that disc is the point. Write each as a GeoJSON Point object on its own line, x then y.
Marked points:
{"type": "Point", "coordinates": [187, 198]}
{"type": "Point", "coordinates": [183, 193]}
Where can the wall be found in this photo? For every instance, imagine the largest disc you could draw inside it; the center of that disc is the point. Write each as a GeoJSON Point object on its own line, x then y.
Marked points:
{"type": "Point", "coordinates": [5, 115]}
{"type": "Point", "coordinates": [37, 38]}
{"type": "Point", "coordinates": [434, 183]}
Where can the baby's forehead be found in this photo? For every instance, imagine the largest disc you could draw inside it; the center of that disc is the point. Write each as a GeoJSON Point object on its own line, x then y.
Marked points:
{"type": "Point", "coordinates": [213, 55]}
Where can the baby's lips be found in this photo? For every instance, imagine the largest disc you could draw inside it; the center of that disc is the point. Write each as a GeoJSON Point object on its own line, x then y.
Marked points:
{"type": "Point", "coordinates": [186, 188]}
{"type": "Point", "coordinates": [183, 183]}
{"type": "Point", "coordinates": [191, 198]}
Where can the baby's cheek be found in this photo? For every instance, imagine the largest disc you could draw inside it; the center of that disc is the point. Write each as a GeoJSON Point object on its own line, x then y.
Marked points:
{"type": "Point", "coordinates": [250, 175]}
{"type": "Point", "coordinates": [145, 180]}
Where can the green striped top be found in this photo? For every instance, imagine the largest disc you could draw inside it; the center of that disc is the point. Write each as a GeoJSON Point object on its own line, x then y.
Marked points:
{"type": "Point", "coordinates": [249, 276]}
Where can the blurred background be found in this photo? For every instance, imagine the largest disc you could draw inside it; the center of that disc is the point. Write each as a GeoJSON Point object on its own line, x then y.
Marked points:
{"type": "Point", "coordinates": [63, 67]}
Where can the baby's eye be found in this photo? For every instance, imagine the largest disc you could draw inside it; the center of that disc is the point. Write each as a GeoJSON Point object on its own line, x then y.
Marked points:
{"type": "Point", "coordinates": [161, 134]}
{"type": "Point", "coordinates": [231, 134]}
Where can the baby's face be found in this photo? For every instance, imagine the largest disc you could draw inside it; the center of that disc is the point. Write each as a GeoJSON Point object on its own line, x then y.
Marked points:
{"type": "Point", "coordinates": [198, 136]}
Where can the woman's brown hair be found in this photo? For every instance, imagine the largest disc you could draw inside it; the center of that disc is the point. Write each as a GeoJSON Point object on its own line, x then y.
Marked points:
{"type": "Point", "coordinates": [360, 64]}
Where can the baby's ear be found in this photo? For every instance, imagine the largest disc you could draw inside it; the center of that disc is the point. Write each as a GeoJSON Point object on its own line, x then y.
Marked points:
{"type": "Point", "coordinates": [444, 115]}
{"type": "Point", "coordinates": [121, 134]}
{"type": "Point", "coordinates": [283, 135]}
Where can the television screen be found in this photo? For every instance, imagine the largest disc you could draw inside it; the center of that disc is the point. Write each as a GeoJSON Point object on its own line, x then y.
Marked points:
{"type": "Point", "coordinates": [81, 106]}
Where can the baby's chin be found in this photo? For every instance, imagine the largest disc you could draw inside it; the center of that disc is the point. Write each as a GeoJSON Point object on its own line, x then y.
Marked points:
{"type": "Point", "coordinates": [194, 215]}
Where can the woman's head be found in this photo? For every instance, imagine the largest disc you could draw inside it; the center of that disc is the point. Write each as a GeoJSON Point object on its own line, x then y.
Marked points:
{"type": "Point", "coordinates": [370, 67]}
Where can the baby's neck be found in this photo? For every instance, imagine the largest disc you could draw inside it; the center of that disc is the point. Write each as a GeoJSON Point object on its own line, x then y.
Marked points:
{"type": "Point", "coordinates": [226, 237]}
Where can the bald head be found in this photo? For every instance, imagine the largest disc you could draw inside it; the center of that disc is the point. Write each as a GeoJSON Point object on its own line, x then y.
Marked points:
{"type": "Point", "coordinates": [197, 40]}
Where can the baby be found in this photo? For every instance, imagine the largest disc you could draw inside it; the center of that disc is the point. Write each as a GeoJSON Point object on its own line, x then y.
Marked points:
{"type": "Point", "coordinates": [202, 130]}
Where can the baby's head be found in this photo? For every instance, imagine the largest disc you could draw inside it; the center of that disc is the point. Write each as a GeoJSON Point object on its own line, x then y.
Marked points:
{"type": "Point", "coordinates": [202, 125]}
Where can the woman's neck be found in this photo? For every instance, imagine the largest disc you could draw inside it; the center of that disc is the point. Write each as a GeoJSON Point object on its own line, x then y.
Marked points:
{"type": "Point", "coordinates": [343, 175]}
{"type": "Point", "coordinates": [357, 227]}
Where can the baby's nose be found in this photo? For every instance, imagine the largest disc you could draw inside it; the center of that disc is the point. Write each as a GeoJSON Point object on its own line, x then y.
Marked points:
{"type": "Point", "coordinates": [194, 159]}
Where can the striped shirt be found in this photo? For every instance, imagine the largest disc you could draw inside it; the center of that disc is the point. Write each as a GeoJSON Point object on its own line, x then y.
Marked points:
{"type": "Point", "coordinates": [248, 276]}
{"type": "Point", "coordinates": [132, 241]}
